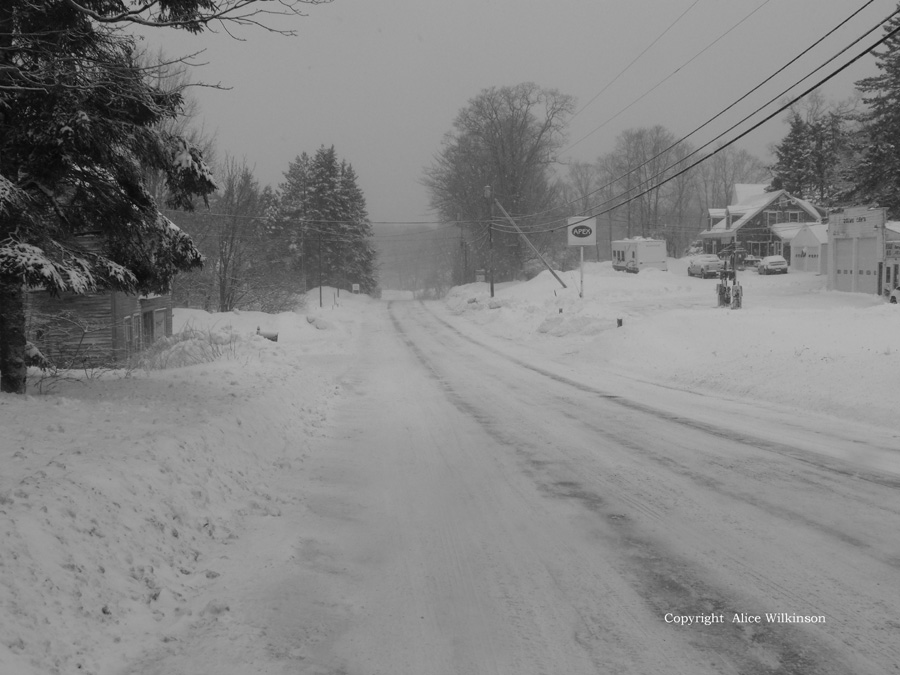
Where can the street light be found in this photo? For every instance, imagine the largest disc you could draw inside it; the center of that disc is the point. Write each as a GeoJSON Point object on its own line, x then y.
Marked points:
{"type": "Point", "coordinates": [490, 214]}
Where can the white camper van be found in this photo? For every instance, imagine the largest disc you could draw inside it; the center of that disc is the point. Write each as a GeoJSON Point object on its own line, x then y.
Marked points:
{"type": "Point", "coordinates": [633, 255]}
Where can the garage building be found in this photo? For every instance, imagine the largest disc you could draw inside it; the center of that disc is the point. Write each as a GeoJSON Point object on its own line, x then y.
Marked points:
{"type": "Point", "coordinates": [809, 249]}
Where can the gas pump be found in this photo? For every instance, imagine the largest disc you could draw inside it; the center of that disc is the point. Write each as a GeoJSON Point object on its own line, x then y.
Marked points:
{"type": "Point", "coordinates": [728, 290]}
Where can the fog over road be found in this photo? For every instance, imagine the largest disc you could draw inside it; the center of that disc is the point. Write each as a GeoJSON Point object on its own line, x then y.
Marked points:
{"type": "Point", "coordinates": [474, 510]}
{"type": "Point", "coordinates": [496, 519]}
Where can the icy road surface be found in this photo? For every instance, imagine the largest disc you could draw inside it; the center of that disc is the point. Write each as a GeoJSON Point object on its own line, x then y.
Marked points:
{"type": "Point", "coordinates": [481, 512]}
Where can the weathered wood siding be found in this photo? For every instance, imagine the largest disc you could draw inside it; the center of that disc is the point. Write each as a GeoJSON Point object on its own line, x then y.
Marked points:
{"type": "Point", "coordinates": [76, 330]}
{"type": "Point", "coordinates": [71, 330]}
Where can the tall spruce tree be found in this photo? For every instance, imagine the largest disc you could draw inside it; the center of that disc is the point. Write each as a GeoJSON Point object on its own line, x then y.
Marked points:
{"type": "Point", "coordinates": [359, 261]}
{"type": "Point", "coordinates": [322, 213]}
{"type": "Point", "coordinates": [876, 174]}
{"type": "Point", "coordinates": [791, 170]}
{"type": "Point", "coordinates": [809, 157]}
{"type": "Point", "coordinates": [285, 221]}
{"type": "Point", "coordinates": [829, 141]}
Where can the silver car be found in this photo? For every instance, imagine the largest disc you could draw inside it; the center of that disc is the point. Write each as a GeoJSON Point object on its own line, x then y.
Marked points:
{"type": "Point", "coordinates": [706, 265]}
{"type": "Point", "coordinates": [772, 264]}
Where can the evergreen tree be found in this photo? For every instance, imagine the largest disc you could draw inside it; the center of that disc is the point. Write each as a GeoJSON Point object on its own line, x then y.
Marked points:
{"type": "Point", "coordinates": [79, 123]}
{"type": "Point", "coordinates": [359, 261]}
{"type": "Point", "coordinates": [80, 129]}
{"type": "Point", "coordinates": [829, 140]}
{"type": "Point", "coordinates": [792, 168]}
{"type": "Point", "coordinates": [322, 213]}
{"type": "Point", "coordinates": [288, 214]}
{"type": "Point", "coordinates": [876, 174]}
{"type": "Point", "coordinates": [809, 157]}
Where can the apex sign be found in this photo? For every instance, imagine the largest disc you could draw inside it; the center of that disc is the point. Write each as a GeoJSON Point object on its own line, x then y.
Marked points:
{"type": "Point", "coordinates": [582, 231]}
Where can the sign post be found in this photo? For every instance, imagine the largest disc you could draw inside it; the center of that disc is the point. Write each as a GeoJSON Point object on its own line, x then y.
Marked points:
{"type": "Point", "coordinates": [582, 232]}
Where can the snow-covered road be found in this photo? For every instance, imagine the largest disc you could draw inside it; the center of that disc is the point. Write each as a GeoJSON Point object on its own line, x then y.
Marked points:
{"type": "Point", "coordinates": [478, 509]}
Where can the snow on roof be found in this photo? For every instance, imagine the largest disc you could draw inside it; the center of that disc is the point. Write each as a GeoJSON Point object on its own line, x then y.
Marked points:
{"type": "Point", "coordinates": [717, 230]}
{"type": "Point", "coordinates": [787, 231]}
{"type": "Point", "coordinates": [742, 192]}
{"type": "Point", "coordinates": [893, 226]}
{"type": "Point", "coordinates": [753, 206]}
{"type": "Point", "coordinates": [818, 230]}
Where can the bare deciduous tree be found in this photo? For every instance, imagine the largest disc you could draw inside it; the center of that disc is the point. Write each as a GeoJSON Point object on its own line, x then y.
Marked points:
{"type": "Point", "coordinates": [507, 138]}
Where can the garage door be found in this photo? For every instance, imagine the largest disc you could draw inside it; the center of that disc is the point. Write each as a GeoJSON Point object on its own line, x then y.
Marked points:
{"type": "Point", "coordinates": [843, 265]}
{"type": "Point", "coordinates": [864, 268]}
{"type": "Point", "coordinates": [868, 266]}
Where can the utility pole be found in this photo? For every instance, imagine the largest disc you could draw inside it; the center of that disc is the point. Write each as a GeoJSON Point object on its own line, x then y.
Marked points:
{"type": "Point", "coordinates": [490, 214]}
{"type": "Point", "coordinates": [536, 252]}
{"type": "Point", "coordinates": [462, 253]}
{"type": "Point", "coordinates": [320, 270]}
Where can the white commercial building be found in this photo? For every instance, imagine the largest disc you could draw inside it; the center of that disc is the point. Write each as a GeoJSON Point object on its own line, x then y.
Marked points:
{"type": "Point", "coordinates": [863, 251]}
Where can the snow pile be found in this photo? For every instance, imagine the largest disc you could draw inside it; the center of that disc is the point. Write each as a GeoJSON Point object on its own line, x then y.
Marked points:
{"type": "Point", "coordinates": [542, 305]}
{"type": "Point", "coordinates": [793, 343]}
{"type": "Point", "coordinates": [116, 493]}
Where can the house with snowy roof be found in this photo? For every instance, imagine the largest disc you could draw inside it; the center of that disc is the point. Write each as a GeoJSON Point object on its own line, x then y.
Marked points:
{"type": "Point", "coordinates": [761, 222]}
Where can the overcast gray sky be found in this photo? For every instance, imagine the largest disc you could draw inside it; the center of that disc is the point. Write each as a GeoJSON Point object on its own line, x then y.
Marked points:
{"type": "Point", "coordinates": [383, 81]}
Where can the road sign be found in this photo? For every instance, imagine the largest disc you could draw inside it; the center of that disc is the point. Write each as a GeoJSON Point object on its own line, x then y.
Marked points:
{"type": "Point", "coordinates": [582, 231]}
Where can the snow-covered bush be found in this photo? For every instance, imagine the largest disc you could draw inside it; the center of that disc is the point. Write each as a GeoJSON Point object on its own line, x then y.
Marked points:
{"type": "Point", "coordinates": [190, 347]}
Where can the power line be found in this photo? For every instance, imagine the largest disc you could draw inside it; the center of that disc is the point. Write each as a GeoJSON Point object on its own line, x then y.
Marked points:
{"type": "Point", "coordinates": [753, 128]}
{"type": "Point", "coordinates": [636, 58]}
{"type": "Point", "coordinates": [665, 79]}
{"type": "Point", "coordinates": [754, 89]}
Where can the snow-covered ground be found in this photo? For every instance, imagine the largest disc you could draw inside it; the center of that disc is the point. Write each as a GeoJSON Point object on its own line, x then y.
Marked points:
{"type": "Point", "coordinates": [793, 343]}
{"type": "Point", "coordinates": [127, 498]}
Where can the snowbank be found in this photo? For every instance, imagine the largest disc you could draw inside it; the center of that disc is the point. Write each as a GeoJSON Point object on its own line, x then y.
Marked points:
{"type": "Point", "coordinates": [793, 344]}
{"type": "Point", "coordinates": [117, 491]}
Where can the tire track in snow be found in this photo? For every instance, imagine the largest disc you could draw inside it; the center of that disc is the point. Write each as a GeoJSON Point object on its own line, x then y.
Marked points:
{"type": "Point", "coordinates": [724, 433]}
{"type": "Point", "coordinates": [667, 582]}
{"type": "Point", "coordinates": [593, 629]}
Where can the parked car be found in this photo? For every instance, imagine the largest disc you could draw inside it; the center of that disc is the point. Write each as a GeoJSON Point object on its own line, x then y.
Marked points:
{"type": "Point", "coordinates": [772, 264]}
{"type": "Point", "coordinates": [894, 296]}
{"type": "Point", "coordinates": [707, 265]}
{"type": "Point", "coordinates": [751, 261]}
